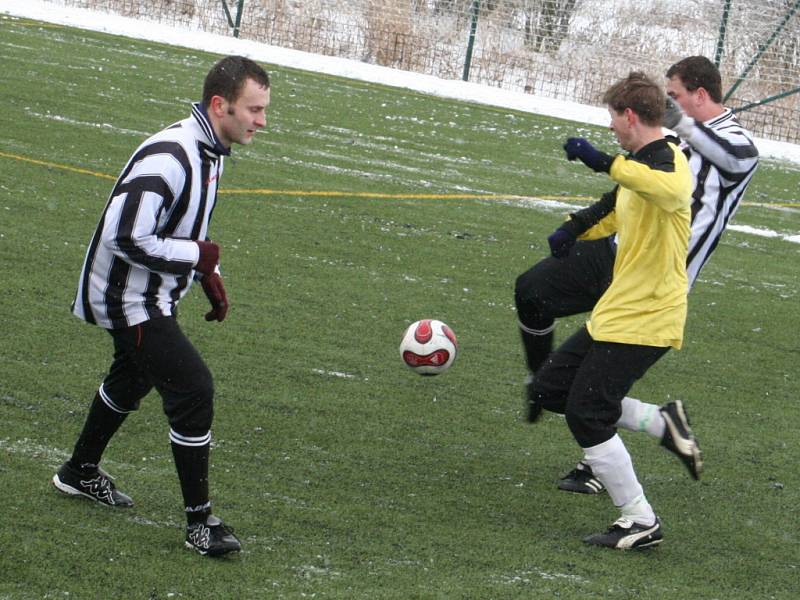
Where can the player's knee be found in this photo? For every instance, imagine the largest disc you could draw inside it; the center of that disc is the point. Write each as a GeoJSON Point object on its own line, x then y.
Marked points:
{"type": "Point", "coordinates": [524, 288]}
{"type": "Point", "coordinates": [191, 411]}
{"type": "Point", "coordinates": [124, 397]}
{"type": "Point", "coordinates": [590, 426]}
{"type": "Point", "coordinates": [547, 393]}
{"type": "Point", "coordinates": [530, 303]}
{"type": "Point", "coordinates": [582, 428]}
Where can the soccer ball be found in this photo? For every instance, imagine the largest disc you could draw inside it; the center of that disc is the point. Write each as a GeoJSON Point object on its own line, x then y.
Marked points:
{"type": "Point", "coordinates": [428, 347]}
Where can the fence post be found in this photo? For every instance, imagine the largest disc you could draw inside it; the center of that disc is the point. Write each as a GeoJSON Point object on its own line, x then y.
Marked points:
{"type": "Point", "coordinates": [237, 23]}
{"type": "Point", "coordinates": [762, 48]}
{"type": "Point", "coordinates": [723, 29]}
{"type": "Point", "coordinates": [471, 42]}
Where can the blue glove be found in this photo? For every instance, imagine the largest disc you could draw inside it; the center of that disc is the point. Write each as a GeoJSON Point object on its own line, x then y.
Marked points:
{"type": "Point", "coordinates": [561, 241]}
{"type": "Point", "coordinates": [589, 155]}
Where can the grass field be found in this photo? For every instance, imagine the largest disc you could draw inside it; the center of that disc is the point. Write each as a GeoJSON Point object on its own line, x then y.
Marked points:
{"type": "Point", "coordinates": [360, 210]}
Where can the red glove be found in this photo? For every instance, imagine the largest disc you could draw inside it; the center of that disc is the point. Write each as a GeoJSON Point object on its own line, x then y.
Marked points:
{"type": "Point", "coordinates": [209, 257]}
{"type": "Point", "coordinates": [215, 292]}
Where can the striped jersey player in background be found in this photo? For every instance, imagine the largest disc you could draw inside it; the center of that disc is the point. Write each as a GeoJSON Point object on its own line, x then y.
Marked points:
{"type": "Point", "coordinates": [151, 243]}
{"type": "Point", "coordinates": [722, 158]}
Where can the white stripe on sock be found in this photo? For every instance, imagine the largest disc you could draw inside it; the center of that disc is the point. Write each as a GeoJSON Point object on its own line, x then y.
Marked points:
{"type": "Point", "coordinates": [185, 440]}
{"type": "Point", "coordinates": [532, 331]}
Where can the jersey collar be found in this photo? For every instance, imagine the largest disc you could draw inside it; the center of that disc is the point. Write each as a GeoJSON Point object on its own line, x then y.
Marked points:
{"type": "Point", "coordinates": [725, 114]}
{"type": "Point", "coordinates": [201, 116]}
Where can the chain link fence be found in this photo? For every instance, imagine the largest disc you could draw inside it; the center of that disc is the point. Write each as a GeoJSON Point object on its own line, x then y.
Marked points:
{"type": "Point", "coordinates": [562, 49]}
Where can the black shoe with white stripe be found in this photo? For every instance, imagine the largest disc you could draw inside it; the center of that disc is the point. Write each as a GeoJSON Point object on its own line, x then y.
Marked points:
{"type": "Point", "coordinates": [212, 538]}
{"type": "Point", "coordinates": [581, 480]}
{"type": "Point", "coordinates": [679, 439]}
{"type": "Point", "coordinates": [95, 484]}
{"type": "Point", "coordinates": [624, 534]}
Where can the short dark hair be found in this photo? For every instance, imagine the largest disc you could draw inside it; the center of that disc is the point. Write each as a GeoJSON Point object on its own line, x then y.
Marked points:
{"type": "Point", "coordinates": [639, 93]}
{"type": "Point", "coordinates": [698, 72]}
{"type": "Point", "coordinates": [228, 76]}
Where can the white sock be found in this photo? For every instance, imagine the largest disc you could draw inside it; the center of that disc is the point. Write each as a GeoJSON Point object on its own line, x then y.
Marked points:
{"type": "Point", "coordinates": [639, 416]}
{"type": "Point", "coordinates": [612, 465]}
{"type": "Point", "coordinates": [639, 511]}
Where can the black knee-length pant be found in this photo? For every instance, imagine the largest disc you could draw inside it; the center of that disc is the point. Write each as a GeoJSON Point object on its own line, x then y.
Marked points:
{"type": "Point", "coordinates": [586, 380]}
{"type": "Point", "coordinates": [157, 354]}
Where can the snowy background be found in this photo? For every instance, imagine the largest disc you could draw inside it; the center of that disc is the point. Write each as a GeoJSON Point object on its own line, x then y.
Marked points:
{"type": "Point", "coordinates": [44, 11]}
{"type": "Point", "coordinates": [456, 89]}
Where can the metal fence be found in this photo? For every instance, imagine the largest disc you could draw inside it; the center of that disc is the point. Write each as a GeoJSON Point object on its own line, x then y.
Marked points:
{"type": "Point", "coordinates": [562, 49]}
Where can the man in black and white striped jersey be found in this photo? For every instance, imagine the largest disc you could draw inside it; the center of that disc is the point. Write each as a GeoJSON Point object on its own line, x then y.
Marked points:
{"type": "Point", "coordinates": [151, 243]}
{"type": "Point", "coordinates": [723, 159]}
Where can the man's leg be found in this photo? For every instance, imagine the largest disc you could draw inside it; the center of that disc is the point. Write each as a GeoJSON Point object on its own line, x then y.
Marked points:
{"type": "Point", "coordinates": [118, 396]}
{"type": "Point", "coordinates": [668, 423]}
{"type": "Point", "coordinates": [606, 374]}
{"type": "Point", "coordinates": [551, 387]}
{"type": "Point", "coordinates": [186, 387]}
{"type": "Point", "coordinates": [558, 287]}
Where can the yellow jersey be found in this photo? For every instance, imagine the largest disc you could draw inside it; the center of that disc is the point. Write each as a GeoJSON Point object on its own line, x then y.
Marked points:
{"type": "Point", "coordinates": [646, 301]}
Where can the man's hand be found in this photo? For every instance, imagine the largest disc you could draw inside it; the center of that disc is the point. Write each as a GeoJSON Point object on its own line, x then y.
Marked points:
{"type": "Point", "coordinates": [215, 292]}
{"type": "Point", "coordinates": [561, 241]}
{"type": "Point", "coordinates": [588, 154]}
{"type": "Point", "coordinates": [209, 257]}
{"type": "Point", "coordinates": [677, 120]}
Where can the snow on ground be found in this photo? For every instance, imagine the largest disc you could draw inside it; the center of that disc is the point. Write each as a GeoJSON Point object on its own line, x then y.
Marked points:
{"type": "Point", "coordinates": [461, 90]}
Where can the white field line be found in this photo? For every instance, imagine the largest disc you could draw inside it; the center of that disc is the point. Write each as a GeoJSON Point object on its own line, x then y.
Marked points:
{"type": "Point", "coordinates": [767, 233]}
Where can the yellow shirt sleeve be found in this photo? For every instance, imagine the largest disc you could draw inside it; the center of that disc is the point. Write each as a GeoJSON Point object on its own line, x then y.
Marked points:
{"type": "Point", "coordinates": [663, 188]}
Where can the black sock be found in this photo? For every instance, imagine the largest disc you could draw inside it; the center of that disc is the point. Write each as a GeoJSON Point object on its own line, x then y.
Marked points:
{"type": "Point", "coordinates": [537, 348]}
{"type": "Point", "coordinates": [192, 465]}
{"type": "Point", "coordinates": [100, 426]}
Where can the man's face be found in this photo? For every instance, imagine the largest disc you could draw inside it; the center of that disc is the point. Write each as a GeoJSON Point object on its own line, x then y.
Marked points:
{"type": "Point", "coordinates": [687, 100]}
{"type": "Point", "coordinates": [620, 125]}
{"type": "Point", "coordinates": [242, 118]}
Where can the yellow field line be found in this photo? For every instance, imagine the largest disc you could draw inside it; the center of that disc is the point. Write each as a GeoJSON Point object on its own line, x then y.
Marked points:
{"type": "Point", "coordinates": [373, 195]}
{"type": "Point", "coordinates": [52, 165]}
{"type": "Point", "coordinates": [337, 194]}
{"type": "Point", "coordinates": [38, 24]}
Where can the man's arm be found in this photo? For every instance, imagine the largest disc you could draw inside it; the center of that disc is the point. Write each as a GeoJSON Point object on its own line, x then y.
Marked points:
{"type": "Point", "coordinates": [659, 173]}
{"type": "Point", "coordinates": [153, 184]}
{"type": "Point", "coordinates": [580, 222]}
{"type": "Point", "coordinates": [586, 218]}
{"type": "Point", "coordinates": [729, 148]}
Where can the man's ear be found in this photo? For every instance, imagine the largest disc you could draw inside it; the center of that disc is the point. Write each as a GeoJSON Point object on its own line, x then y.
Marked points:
{"type": "Point", "coordinates": [217, 106]}
{"type": "Point", "coordinates": [631, 117]}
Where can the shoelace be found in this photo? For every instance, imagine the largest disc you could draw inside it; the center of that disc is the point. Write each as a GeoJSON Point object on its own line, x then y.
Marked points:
{"type": "Point", "coordinates": [622, 523]}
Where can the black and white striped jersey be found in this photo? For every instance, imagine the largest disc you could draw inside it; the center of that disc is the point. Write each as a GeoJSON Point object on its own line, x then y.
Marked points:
{"type": "Point", "coordinates": [722, 159]}
{"type": "Point", "coordinates": [141, 258]}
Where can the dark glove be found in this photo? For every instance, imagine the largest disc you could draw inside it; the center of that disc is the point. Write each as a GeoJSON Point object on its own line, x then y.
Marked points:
{"type": "Point", "coordinates": [561, 241]}
{"type": "Point", "coordinates": [209, 257]}
{"type": "Point", "coordinates": [677, 120]}
{"type": "Point", "coordinates": [589, 155]}
{"type": "Point", "coordinates": [215, 292]}
{"type": "Point", "coordinates": [672, 114]}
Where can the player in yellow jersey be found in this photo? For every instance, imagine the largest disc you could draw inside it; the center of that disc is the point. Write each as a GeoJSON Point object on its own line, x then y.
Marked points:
{"type": "Point", "coordinates": [641, 314]}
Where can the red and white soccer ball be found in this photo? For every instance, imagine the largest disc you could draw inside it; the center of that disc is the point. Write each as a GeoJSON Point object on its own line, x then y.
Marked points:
{"type": "Point", "coordinates": [428, 347]}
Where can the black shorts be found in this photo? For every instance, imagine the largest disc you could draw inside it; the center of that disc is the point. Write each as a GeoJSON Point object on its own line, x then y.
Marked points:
{"type": "Point", "coordinates": [156, 354]}
{"type": "Point", "coordinates": [560, 287]}
{"type": "Point", "coordinates": [586, 381]}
